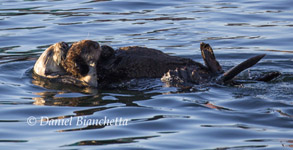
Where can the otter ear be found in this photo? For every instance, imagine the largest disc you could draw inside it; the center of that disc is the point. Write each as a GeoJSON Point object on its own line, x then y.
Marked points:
{"type": "Point", "coordinates": [209, 58]}
{"type": "Point", "coordinates": [230, 74]}
{"type": "Point", "coordinates": [107, 52]}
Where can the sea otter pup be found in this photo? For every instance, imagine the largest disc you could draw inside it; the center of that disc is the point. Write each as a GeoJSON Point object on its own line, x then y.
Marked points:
{"type": "Point", "coordinates": [88, 64]}
{"type": "Point", "coordinates": [81, 61]}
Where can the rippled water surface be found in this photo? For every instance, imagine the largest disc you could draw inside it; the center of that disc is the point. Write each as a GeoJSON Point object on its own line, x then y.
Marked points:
{"type": "Point", "coordinates": [252, 116]}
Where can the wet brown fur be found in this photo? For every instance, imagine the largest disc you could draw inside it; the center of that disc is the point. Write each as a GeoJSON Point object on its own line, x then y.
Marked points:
{"type": "Point", "coordinates": [140, 62]}
{"type": "Point", "coordinates": [79, 57]}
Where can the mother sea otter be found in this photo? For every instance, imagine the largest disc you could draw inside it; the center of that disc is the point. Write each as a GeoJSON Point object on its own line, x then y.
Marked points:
{"type": "Point", "coordinates": [86, 63]}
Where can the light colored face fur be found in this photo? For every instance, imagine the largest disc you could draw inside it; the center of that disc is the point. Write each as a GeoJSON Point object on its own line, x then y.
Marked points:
{"type": "Point", "coordinates": [49, 63]}
{"type": "Point", "coordinates": [91, 52]}
{"type": "Point", "coordinates": [79, 60]}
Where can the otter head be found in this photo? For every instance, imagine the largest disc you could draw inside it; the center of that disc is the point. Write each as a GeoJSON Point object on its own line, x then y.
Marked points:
{"type": "Point", "coordinates": [90, 51]}
{"type": "Point", "coordinates": [81, 61]}
{"type": "Point", "coordinates": [50, 62]}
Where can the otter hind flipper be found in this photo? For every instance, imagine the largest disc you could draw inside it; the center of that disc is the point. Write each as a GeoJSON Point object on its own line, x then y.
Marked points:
{"type": "Point", "coordinates": [230, 74]}
{"type": "Point", "coordinates": [210, 59]}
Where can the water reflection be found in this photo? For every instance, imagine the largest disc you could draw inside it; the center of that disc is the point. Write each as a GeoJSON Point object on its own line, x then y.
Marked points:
{"type": "Point", "coordinates": [49, 99]}
{"type": "Point", "coordinates": [283, 51]}
{"type": "Point", "coordinates": [287, 143]}
{"type": "Point", "coordinates": [112, 141]}
{"type": "Point", "coordinates": [92, 96]}
{"type": "Point", "coordinates": [13, 141]}
{"type": "Point", "coordinates": [240, 126]}
{"type": "Point", "coordinates": [13, 58]}
{"type": "Point", "coordinates": [35, 27]}
{"type": "Point", "coordinates": [242, 147]}
{"type": "Point", "coordinates": [213, 106]}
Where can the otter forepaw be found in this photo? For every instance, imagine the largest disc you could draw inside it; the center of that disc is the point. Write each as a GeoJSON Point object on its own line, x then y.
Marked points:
{"type": "Point", "coordinates": [183, 77]}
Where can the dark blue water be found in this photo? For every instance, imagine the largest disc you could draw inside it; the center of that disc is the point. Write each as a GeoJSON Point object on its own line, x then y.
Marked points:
{"type": "Point", "coordinates": [252, 116]}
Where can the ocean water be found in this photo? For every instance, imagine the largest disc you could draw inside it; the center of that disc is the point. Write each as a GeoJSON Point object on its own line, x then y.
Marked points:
{"type": "Point", "coordinates": [148, 116]}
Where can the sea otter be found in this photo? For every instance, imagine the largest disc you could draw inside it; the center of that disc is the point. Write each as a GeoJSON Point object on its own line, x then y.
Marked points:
{"type": "Point", "coordinates": [87, 63]}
